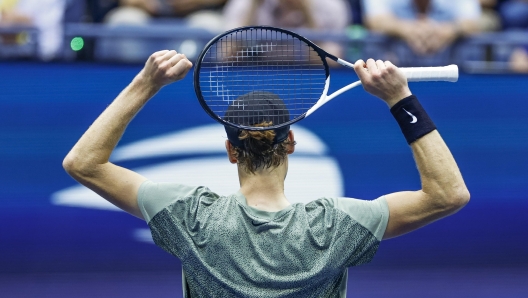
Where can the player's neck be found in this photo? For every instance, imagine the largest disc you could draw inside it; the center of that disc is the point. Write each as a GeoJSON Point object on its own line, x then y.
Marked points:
{"type": "Point", "coordinates": [264, 190]}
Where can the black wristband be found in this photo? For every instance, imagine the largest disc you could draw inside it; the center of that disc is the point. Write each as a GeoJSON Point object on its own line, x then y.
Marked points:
{"type": "Point", "coordinates": [412, 118]}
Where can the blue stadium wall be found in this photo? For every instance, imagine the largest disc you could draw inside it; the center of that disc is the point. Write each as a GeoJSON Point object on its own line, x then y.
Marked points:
{"type": "Point", "coordinates": [45, 108]}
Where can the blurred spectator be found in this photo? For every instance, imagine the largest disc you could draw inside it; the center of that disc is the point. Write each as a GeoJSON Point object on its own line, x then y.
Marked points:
{"type": "Point", "coordinates": [312, 14]}
{"type": "Point", "coordinates": [514, 14]}
{"type": "Point", "coordinates": [197, 13]}
{"type": "Point", "coordinates": [427, 26]}
{"type": "Point", "coordinates": [97, 9]}
{"type": "Point", "coordinates": [75, 11]}
{"type": "Point", "coordinates": [206, 14]}
{"type": "Point", "coordinates": [46, 15]}
{"type": "Point", "coordinates": [172, 8]}
{"type": "Point", "coordinates": [355, 11]}
{"type": "Point", "coordinates": [489, 20]}
{"type": "Point", "coordinates": [519, 60]}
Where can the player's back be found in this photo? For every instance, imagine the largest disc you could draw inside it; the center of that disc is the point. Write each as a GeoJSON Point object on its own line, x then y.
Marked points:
{"type": "Point", "coordinates": [228, 248]}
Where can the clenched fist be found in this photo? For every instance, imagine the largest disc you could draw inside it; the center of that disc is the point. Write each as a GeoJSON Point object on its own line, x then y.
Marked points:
{"type": "Point", "coordinates": [165, 67]}
{"type": "Point", "coordinates": [383, 80]}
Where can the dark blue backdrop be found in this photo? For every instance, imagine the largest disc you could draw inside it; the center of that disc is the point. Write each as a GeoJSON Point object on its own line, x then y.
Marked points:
{"type": "Point", "coordinates": [44, 109]}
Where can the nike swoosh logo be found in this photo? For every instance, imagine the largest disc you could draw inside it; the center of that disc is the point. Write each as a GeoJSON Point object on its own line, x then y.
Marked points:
{"type": "Point", "coordinates": [414, 119]}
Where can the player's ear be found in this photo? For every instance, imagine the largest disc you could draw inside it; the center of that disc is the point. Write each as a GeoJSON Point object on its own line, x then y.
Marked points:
{"type": "Point", "coordinates": [230, 155]}
{"type": "Point", "coordinates": [291, 139]}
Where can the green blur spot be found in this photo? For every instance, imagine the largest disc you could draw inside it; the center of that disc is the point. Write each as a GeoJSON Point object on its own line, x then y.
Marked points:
{"type": "Point", "coordinates": [77, 43]}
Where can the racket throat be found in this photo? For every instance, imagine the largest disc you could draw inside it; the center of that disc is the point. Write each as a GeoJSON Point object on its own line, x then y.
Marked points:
{"type": "Point", "coordinates": [324, 99]}
{"type": "Point", "coordinates": [345, 63]}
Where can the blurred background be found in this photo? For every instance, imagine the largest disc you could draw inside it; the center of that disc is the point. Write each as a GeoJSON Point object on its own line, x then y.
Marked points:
{"type": "Point", "coordinates": [63, 61]}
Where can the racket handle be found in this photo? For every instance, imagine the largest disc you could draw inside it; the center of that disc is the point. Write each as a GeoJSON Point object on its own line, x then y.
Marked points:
{"type": "Point", "coordinates": [421, 74]}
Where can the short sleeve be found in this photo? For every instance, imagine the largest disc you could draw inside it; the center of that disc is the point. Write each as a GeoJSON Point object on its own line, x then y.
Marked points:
{"type": "Point", "coordinates": [373, 215]}
{"type": "Point", "coordinates": [355, 228]}
{"type": "Point", "coordinates": [153, 197]}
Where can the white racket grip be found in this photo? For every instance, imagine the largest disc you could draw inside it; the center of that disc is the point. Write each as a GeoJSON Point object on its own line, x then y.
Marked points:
{"type": "Point", "coordinates": [442, 73]}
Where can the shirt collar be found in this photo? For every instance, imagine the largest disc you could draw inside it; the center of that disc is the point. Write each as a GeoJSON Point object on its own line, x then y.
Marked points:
{"type": "Point", "coordinates": [241, 199]}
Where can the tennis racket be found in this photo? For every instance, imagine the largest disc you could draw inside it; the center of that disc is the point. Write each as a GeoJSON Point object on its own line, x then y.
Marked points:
{"type": "Point", "coordinates": [267, 60]}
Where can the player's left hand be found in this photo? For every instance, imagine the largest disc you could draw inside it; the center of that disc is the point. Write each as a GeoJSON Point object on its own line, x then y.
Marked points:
{"type": "Point", "coordinates": [383, 80]}
{"type": "Point", "coordinates": [165, 67]}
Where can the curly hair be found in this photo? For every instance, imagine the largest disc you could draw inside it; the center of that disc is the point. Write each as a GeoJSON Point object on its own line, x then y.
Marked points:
{"type": "Point", "coordinates": [259, 151]}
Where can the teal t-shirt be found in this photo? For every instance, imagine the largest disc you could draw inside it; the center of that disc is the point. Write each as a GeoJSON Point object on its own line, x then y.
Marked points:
{"type": "Point", "coordinates": [229, 249]}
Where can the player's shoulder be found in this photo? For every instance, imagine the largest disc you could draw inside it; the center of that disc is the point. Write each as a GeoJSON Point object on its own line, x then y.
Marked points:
{"type": "Point", "coordinates": [327, 206]}
{"type": "Point", "coordinates": [343, 203]}
{"type": "Point", "coordinates": [175, 191]}
{"type": "Point", "coordinates": [371, 214]}
{"type": "Point", "coordinates": [155, 196]}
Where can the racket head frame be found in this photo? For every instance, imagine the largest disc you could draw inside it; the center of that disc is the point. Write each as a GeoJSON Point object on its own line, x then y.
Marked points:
{"type": "Point", "coordinates": [196, 75]}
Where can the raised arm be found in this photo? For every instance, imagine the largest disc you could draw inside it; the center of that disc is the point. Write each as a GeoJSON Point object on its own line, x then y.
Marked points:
{"type": "Point", "coordinates": [443, 190]}
{"type": "Point", "coordinates": [87, 162]}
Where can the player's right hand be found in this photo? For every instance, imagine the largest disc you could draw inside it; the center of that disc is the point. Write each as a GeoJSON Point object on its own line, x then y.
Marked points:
{"type": "Point", "coordinates": [383, 80]}
{"type": "Point", "coordinates": [165, 67]}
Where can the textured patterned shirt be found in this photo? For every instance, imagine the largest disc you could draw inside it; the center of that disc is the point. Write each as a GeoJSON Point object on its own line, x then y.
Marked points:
{"type": "Point", "coordinates": [229, 249]}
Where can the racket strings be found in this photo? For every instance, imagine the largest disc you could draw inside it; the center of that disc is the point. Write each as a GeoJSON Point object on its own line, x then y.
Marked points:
{"type": "Point", "coordinates": [246, 61]}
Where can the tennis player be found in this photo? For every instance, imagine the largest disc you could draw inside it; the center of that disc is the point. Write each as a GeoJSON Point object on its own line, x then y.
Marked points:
{"type": "Point", "coordinates": [254, 243]}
